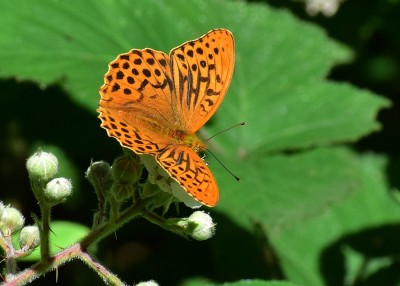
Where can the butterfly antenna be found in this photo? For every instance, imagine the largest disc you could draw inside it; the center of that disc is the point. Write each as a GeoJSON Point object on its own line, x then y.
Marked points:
{"type": "Point", "coordinates": [234, 126]}
{"type": "Point", "coordinates": [219, 161]}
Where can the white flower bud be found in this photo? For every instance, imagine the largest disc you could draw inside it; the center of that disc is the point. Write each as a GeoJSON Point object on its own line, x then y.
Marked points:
{"type": "Point", "coordinates": [29, 237]}
{"type": "Point", "coordinates": [57, 191]}
{"type": "Point", "coordinates": [11, 220]}
{"type": "Point", "coordinates": [42, 166]}
{"type": "Point", "coordinates": [148, 283]}
{"type": "Point", "coordinates": [201, 225]}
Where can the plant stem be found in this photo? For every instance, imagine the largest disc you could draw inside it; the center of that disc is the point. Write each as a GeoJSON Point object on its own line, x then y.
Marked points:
{"type": "Point", "coordinates": [37, 189]}
{"type": "Point", "coordinates": [108, 277]}
{"type": "Point", "coordinates": [45, 232]}
{"type": "Point", "coordinates": [74, 251]}
{"type": "Point", "coordinates": [11, 262]}
{"type": "Point", "coordinates": [166, 224]}
{"type": "Point", "coordinates": [6, 245]}
{"type": "Point", "coordinates": [138, 208]}
{"type": "Point", "coordinates": [77, 250]}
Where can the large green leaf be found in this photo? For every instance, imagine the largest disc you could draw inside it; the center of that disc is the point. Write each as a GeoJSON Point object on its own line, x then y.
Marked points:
{"type": "Point", "coordinates": [279, 89]}
{"type": "Point", "coordinates": [286, 189]}
{"type": "Point", "coordinates": [305, 247]}
{"type": "Point", "coordinates": [278, 86]}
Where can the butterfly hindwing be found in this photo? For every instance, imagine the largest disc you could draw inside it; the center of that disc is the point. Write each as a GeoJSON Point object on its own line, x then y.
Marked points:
{"type": "Point", "coordinates": [190, 171]}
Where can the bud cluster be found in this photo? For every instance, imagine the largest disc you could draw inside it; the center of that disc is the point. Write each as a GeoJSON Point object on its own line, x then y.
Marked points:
{"type": "Point", "coordinates": [42, 168]}
{"type": "Point", "coordinates": [11, 221]}
{"type": "Point", "coordinates": [125, 172]}
{"type": "Point", "coordinates": [115, 184]}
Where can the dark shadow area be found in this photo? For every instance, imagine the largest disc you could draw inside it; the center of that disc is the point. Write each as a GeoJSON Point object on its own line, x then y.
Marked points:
{"type": "Point", "coordinates": [35, 117]}
{"type": "Point", "coordinates": [144, 251]}
{"type": "Point", "coordinates": [373, 245]}
{"type": "Point", "coordinates": [141, 251]}
{"type": "Point", "coordinates": [393, 172]}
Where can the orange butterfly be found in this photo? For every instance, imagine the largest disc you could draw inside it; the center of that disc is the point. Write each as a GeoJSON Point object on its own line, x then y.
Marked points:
{"type": "Point", "coordinates": [154, 104]}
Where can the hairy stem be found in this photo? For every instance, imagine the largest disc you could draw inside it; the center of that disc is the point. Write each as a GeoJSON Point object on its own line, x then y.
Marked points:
{"type": "Point", "coordinates": [45, 233]}
{"type": "Point", "coordinates": [78, 250]}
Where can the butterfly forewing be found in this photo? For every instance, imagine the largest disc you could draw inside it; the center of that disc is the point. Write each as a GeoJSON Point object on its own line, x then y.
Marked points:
{"type": "Point", "coordinates": [202, 71]}
{"type": "Point", "coordinates": [135, 105]}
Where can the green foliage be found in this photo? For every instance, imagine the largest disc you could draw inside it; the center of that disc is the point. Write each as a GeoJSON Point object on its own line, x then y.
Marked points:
{"type": "Point", "coordinates": [303, 190]}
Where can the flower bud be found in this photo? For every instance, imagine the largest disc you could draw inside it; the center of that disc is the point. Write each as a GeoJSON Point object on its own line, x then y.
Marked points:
{"type": "Point", "coordinates": [11, 220]}
{"type": "Point", "coordinates": [201, 225]}
{"type": "Point", "coordinates": [126, 170]}
{"type": "Point", "coordinates": [99, 173]}
{"type": "Point", "coordinates": [42, 166]}
{"type": "Point", "coordinates": [148, 283]}
{"type": "Point", "coordinates": [122, 191]}
{"type": "Point", "coordinates": [57, 191]}
{"type": "Point", "coordinates": [29, 237]}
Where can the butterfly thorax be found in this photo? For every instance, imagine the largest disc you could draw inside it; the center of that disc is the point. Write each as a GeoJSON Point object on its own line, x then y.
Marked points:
{"type": "Point", "coordinates": [187, 139]}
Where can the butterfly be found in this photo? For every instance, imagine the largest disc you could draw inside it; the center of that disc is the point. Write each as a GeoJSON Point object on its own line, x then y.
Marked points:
{"type": "Point", "coordinates": [154, 103]}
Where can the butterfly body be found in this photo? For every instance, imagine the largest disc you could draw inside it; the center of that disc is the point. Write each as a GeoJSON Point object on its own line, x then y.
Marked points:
{"type": "Point", "coordinates": [180, 137]}
{"type": "Point", "coordinates": [154, 103]}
